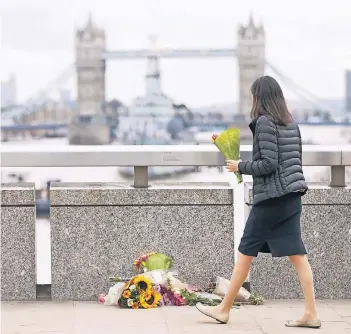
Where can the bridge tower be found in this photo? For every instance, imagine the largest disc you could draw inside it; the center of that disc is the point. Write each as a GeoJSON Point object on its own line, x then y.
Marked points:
{"type": "Point", "coordinates": [251, 60]}
{"type": "Point", "coordinates": [88, 125]}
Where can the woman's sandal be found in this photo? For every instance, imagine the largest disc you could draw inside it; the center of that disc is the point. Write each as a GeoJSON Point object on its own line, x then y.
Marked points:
{"type": "Point", "coordinates": [306, 324]}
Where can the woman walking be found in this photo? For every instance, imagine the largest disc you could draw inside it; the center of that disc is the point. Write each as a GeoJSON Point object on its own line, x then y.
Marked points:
{"type": "Point", "coordinates": [273, 225]}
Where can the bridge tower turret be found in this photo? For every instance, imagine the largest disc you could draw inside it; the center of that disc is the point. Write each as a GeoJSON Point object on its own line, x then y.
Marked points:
{"type": "Point", "coordinates": [251, 60]}
{"type": "Point", "coordinates": [88, 125]}
{"type": "Point", "coordinates": [90, 44]}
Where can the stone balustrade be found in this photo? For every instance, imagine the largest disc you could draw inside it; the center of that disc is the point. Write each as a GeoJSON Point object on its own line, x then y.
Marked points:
{"type": "Point", "coordinates": [326, 230]}
{"type": "Point", "coordinates": [18, 274]}
{"type": "Point", "coordinates": [98, 229]}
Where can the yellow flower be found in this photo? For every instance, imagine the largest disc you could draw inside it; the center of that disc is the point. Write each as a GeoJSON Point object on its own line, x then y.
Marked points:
{"type": "Point", "coordinates": [126, 294]}
{"type": "Point", "coordinates": [148, 294]}
{"type": "Point", "coordinates": [143, 302]}
{"type": "Point", "coordinates": [152, 302]}
{"type": "Point", "coordinates": [135, 305]}
{"type": "Point", "coordinates": [156, 298]}
{"type": "Point", "coordinates": [142, 282]}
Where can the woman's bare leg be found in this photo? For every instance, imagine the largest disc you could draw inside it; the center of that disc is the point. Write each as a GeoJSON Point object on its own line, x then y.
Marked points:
{"type": "Point", "coordinates": [303, 269]}
{"type": "Point", "coordinates": [240, 272]}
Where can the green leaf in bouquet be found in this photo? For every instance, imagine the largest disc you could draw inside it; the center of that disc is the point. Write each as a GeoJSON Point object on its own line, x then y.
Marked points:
{"type": "Point", "coordinates": [192, 299]}
{"type": "Point", "coordinates": [228, 142]}
{"type": "Point", "coordinates": [158, 261]}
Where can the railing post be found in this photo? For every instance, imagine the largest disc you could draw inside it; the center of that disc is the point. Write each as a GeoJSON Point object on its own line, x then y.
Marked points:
{"type": "Point", "coordinates": [141, 178]}
{"type": "Point", "coordinates": [337, 176]}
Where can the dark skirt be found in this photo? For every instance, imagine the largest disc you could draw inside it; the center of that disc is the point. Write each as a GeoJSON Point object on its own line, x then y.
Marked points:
{"type": "Point", "coordinates": [273, 227]}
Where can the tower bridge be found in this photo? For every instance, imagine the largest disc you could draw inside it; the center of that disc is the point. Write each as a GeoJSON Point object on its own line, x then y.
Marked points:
{"type": "Point", "coordinates": [91, 57]}
{"type": "Point", "coordinates": [87, 123]}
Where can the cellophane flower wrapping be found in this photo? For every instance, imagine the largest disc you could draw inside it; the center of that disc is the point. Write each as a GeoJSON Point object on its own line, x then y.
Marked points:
{"type": "Point", "coordinates": [153, 261]}
{"type": "Point", "coordinates": [158, 261]}
{"type": "Point", "coordinates": [228, 142]}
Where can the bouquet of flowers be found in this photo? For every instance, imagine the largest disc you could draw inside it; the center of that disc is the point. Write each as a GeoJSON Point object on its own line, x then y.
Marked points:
{"type": "Point", "coordinates": [153, 261]}
{"type": "Point", "coordinates": [139, 293]}
{"type": "Point", "coordinates": [228, 142]}
{"type": "Point", "coordinates": [170, 297]}
{"type": "Point", "coordinates": [158, 286]}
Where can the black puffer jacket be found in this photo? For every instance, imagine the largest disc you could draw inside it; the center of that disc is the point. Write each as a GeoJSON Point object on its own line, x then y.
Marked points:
{"type": "Point", "coordinates": [276, 164]}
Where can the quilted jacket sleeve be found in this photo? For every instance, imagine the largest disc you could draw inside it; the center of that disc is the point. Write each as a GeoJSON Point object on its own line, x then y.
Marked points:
{"type": "Point", "coordinates": [300, 144]}
{"type": "Point", "coordinates": [266, 133]}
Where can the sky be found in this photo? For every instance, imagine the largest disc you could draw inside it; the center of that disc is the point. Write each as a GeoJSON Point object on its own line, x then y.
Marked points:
{"type": "Point", "coordinates": [307, 40]}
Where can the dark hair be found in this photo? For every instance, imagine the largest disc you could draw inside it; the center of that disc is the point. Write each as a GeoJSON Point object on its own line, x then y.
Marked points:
{"type": "Point", "coordinates": [269, 101]}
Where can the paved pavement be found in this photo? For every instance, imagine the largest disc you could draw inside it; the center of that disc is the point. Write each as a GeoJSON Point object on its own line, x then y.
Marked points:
{"type": "Point", "coordinates": [92, 318]}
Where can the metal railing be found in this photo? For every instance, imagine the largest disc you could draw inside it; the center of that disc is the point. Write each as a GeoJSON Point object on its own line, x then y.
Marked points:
{"type": "Point", "coordinates": [142, 157]}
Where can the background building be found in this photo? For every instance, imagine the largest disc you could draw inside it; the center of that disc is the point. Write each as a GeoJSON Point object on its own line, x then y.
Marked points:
{"type": "Point", "coordinates": [9, 91]}
{"type": "Point", "coordinates": [348, 90]}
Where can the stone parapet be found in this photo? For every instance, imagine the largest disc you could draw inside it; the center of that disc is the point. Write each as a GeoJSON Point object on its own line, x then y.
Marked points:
{"type": "Point", "coordinates": [326, 230]}
{"type": "Point", "coordinates": [18, 266]}
{"type": "Point", "coordinates": [122, 194]}
{"type": "Point", "coordinates": [97, 230]}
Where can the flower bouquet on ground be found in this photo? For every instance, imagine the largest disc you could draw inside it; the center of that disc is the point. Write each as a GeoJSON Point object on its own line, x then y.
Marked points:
{"type": "Point", "coordinates": [139, 293]}
{"type": "Point", "coordinates": [158, 286]}
{"type": "Point", "coordinates": [243, 296]}
{"type": "Point", "coordinates": [214, 296]}
{"type": "Point", "coordinates": [228, 142]}
{"type": "Point", "coordinates": [210, 299]}
{"type": "Point", "coordinates": [153, 261]}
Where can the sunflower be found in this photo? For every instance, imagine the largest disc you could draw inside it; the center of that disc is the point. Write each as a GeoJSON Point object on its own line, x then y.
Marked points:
{"type": "Point", "coordinates": [148, 294]}
{"type": "Point", "coordinates": [126, 294]}
{"type": "Point", "coordinates": [142, 282]}
{"type": "Point", "coordinates": [135, 305]}
{"type": "Point", "coordinates": [143, 302]}
{"type": "Point", "coordinates": [152, 302]}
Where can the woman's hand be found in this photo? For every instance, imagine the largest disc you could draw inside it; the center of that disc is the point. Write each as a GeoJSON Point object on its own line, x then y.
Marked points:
{"type": "Point", "coordinates": [232, 165]}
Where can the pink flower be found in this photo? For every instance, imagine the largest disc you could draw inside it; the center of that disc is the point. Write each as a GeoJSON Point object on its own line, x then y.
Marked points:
{"type": "Point", "coordinates": [101, 298]}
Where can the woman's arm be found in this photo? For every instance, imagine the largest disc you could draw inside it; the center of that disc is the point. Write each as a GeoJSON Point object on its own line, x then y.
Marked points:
{"type": "Point", "coordinates": [268, 148]}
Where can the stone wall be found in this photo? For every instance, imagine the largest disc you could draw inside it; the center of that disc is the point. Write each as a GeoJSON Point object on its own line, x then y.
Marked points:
{"type": "Point", "coordinates": [18, 268]}
{"type": "Point", "coordinates": [326, 229]}
{"type": "Point", "coordinates": [97, 230]}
